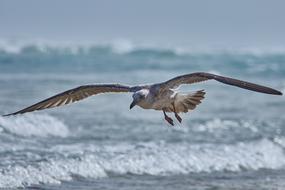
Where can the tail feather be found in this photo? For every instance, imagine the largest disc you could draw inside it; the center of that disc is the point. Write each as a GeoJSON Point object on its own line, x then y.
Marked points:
{"type": "Point", "coordinates": [186, 102]}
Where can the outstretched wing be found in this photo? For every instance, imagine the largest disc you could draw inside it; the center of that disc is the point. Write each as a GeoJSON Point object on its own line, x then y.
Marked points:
{"type": "Point", "coordinates": [200, 76]}
{"type": "Point", "coordinates": [74, 95]}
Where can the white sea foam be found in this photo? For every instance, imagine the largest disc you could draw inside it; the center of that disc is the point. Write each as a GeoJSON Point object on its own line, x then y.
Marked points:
{"type": "Point", "coordinates": [146, 158]}
{"type": "Point", "coordinates": [122, 46]}
{"type": "Point", "coordinates": [34, 125]}
{"type": "Point", "coordinates": [165, 159]}
{"type": "Point", "coordinates": [49, 172]}
{"type": "Point", "coordinates": [217, 123]}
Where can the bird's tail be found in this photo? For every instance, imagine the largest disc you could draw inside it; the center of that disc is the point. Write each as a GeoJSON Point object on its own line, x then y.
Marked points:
{"type": "Point", "coordinates": [186, 102]}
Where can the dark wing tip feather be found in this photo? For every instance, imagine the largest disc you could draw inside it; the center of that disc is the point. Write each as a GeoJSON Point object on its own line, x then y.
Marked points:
{"type": "Point", "coordinates": [247, 85]}
{"type": "Point", "coordinates": [279, 93]}
{"type": "Point", "coordinates": [5, 115]}
{"type": "Point", "coordinates": [10, 114]}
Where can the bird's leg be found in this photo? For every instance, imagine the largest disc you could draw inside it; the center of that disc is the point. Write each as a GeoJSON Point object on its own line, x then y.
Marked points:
{"type": "Point", "coordinates": [176, 115]}
{"type": "Point", "coordinates": [168, 119]}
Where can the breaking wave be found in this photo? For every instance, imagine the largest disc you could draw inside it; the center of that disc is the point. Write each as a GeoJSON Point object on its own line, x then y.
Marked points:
{"type": "Point", "coordinates": [158, 159]}
{"type": "Point", "coordinates": [34, 125]}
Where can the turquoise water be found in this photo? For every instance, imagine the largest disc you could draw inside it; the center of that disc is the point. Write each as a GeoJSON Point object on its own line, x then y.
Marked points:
{"type": "Point", "coordinates": [234, 140]}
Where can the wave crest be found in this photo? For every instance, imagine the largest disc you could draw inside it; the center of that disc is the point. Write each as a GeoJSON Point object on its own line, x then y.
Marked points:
{"type": "Point", "coordinates": [34, 125]}
{"type": "Point", "coordinates": [158, 159]}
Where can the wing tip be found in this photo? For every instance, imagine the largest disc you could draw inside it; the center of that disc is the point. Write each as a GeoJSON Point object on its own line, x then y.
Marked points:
{"type": "Point", "coordinates": [279, 93]}
{"type": "Point", "coordinates": [272, 92]}
{"type": "Point", "coordinates": [275, 92]}
{"type": "Point", "coordinates": [9, 114]}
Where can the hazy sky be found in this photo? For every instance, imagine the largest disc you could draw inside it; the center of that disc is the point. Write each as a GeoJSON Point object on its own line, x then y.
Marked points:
{"type": "Point", "coordinates": [200, 23]}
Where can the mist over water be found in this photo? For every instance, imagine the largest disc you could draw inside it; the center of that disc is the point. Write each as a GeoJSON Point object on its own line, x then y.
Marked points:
{"type": "Point", "coordinates": [234, 135]}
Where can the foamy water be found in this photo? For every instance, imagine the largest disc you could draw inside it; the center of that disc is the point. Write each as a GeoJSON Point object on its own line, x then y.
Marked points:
{"type": "Point", "coordinates": [158, 159]}
{"type": "Point", "coordinates": [34, 125]}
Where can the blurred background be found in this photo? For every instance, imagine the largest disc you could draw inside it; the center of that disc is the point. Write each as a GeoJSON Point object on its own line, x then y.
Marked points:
{"type": "Point", "coordinates": [204, 24]}
{"type": "Point", "coordinates": [234, 140]}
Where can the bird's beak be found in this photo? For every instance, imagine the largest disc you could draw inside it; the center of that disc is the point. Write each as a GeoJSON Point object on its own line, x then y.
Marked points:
{"type": "Point", "coordinates": [133, 104]}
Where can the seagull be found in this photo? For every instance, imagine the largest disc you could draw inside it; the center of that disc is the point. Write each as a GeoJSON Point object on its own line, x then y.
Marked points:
{"type": "Point", "coordinates": [160, 96]}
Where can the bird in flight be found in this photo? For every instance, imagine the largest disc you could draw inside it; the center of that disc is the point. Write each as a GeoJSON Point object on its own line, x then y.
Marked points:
{"type": "Point", "coordinates": [159, 96]}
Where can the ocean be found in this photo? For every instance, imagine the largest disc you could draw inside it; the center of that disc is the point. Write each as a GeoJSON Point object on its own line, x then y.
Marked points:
{"type": "Point", "coordinates": [235, 139]}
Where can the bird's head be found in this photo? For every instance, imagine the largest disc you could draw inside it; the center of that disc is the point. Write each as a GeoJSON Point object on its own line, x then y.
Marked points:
{"type": "Point", "coordinates": [139, 96]}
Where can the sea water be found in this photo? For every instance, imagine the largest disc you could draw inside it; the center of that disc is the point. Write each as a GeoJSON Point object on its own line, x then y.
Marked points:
{"type": "Point", "coordinates": [235, 139]}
